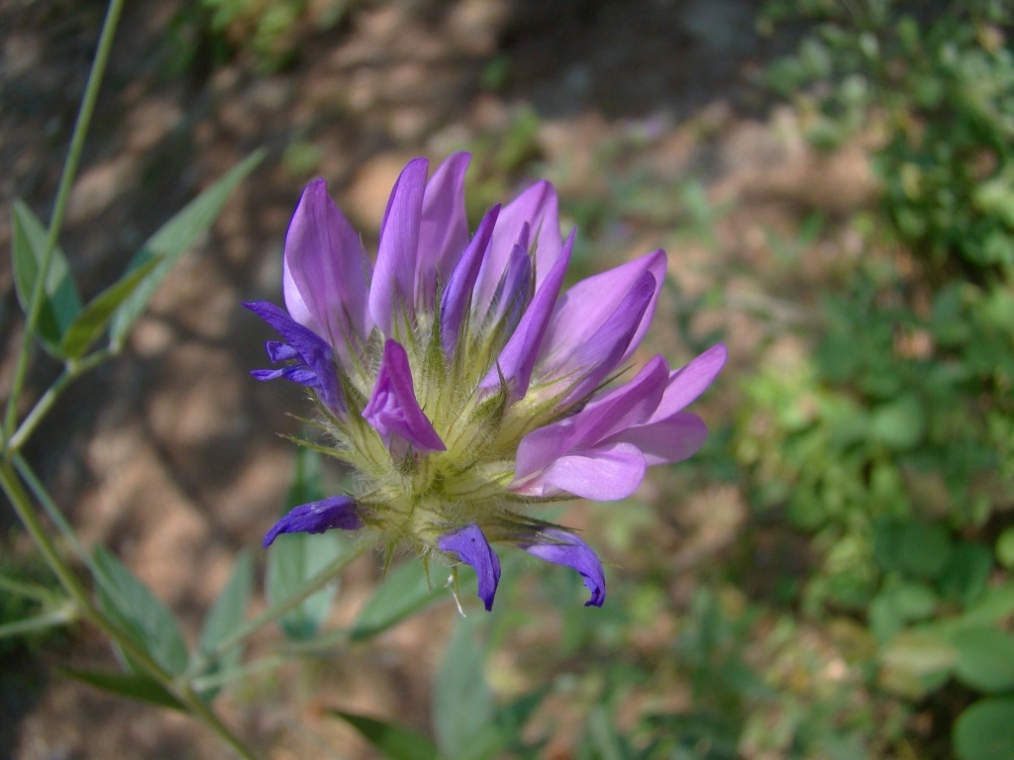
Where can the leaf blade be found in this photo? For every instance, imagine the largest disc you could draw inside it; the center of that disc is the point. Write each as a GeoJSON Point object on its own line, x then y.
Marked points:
{"type": "Point", "coordinates": [394, 741]}
{"type": "Point", "coordinates": [130, 685]}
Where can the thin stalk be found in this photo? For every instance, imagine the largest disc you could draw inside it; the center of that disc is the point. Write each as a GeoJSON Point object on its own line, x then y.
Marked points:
{"type": "Point", "coordinates": [272, 613]}
{"type": "Point", "coordinates": [72, 370]}
{"type": "Point", "coordinates": [66, 614]}
{"type": "Point", "coordinates": [27, 590]}
{"type": "Point", "coordinates": [22, 504]}
{"type": "Point", "coordinates": [233, 674]}
{"type": "Point", "coordinates": [84, 117]}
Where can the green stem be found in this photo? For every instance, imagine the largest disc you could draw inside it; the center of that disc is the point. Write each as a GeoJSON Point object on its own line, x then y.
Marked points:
{"type": "Point", "coordinates": [233, 674]}
{"type": "Point", "coordinates": [72, 370]}
{"type": "Point", "coordinates": [22, 505]}
{"type": "Point", "coordinates": [84, 117]}
{"type": "Point", "coordinates": [31, 591]}
{"type": "Point", "coordinates": [272, 613]}
{"type": "Point", "coordinates": [61, 616]}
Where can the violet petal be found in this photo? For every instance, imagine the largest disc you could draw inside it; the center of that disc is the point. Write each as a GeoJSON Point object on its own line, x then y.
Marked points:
{"type": "Point", "coordinates": [571, 551]}
{"type": "Point", "coordinates": [538, 207]}
{"type": "Point", "coordinates": [457, 296]}
{"type": "Point", "coordinates": [443, 226]}
{"type": "Point", "coordinates": [280, 352]}
{"type": "Point", "coordinates": [687, 383]}
{"type": "Point", "coordinates": [606, 473]}
{"type": "Point", "coordinates": [517, 359]}
{"type": "Point", "coordinates": [393, 410]}
{"type": "Point", "coordinates": [667, 441]}
{"type": "Point", "coordinates": [317, 517]}
{"type": "Point", "coordinates": [393, 287]}
{"type": "Point", "coordinates": [470, 544]}
{"type": "Point", "coordinates": [326, 262]}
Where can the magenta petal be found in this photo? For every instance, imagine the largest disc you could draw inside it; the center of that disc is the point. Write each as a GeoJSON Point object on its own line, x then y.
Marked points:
{"type": "Point", "coordinates": [393, 410]}
{"type": "Point", "coordinates": [606, 473]}
{"type": "Point", "coordinates": [671, 440]}
{"type": "Point", "coordinates": [393, 288]}
{"type": "Point", "coordinates": [538, 207]}
{"type": "Point", "coordinates": [570, 551]}
{"type": "Point", "coordinates": [517, 359]}
{"type": "Point", "coordinates": [470, 544]}
{"type": "Point", "coordinates": [443, 226]}
{"type": "Point", "coordinates": [457, 296]}
{"type": "Point", "coordinates": [689, 382]}
{"type": "Point", "coordinates": [325, 270]}
{"type": "Point", "coordinates": [316, 517]}
{"type": "Point", "coordinates": [586, 306]}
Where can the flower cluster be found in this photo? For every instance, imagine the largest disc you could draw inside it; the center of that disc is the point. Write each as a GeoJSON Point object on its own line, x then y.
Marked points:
{"type": "Point", "coordinates": [459, 383]}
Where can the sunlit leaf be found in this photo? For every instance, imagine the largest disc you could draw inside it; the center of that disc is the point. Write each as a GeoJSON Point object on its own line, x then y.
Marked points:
{"type": "Point", "coordinates": [985, 659]}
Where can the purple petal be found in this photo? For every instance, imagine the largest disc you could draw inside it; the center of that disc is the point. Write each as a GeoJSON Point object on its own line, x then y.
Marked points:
{"type": "Point", "coordinates": [571, 551]}
{"type": "Point", "coordinates": [325, 270]}
{"type": "Point", "coordinates": [607, 473]}
{"type": "Point", "coordinates": [393, 286]}
{"type": "Point", "coordinates": [393, 410]}
{"type": "Point", "coordinates": [512, 293]}
{"type": "Point", "coordinates": [584, 308]}
{"type": "Point", "coordinates": [443, 226]}
{"type": "Point", "coordinates": [517, 359]}
{"type": "Point", "coordinates": [689, 382]}
{"type": "Point", "coordinates": [457, 296]}
{"type": "Point", "coordinates": [317, 517]}
{"type": "Point", "coordinates": [280, 352]}
{"type": "Point", "coordinates": [602, 352]}
{"type": "Point", "coordinates": [538, 207]}
{"type": "Point", "coordinates": [315, 354]}
{"type": "Point", "coordinates": [470, 544]}
{"type": "Point", "coordinates": [671, 440]}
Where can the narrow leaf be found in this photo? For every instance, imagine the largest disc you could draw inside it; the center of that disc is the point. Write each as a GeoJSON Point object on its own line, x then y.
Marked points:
{"type": "Point", "coordinates": [60, 300]}
{"type": "Point", "coordinates": [394, 742]}
{"type": "Point", "coordinates": [130, 685]}
{"type": "Point", "coordinates": [172, 240]}
{"type": "Point", "coordinates": [463, 707]}
{"type": "Point", "coordinates": [140, 613]}
{"type": "Point", "coordinates": [404, 593]}
{"type": "Point", "coordinates": [90, 323]}
{"type": "Point", "coordinates": [225, 616]}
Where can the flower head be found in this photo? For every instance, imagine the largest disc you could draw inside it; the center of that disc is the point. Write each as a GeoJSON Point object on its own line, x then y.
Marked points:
{"type": "Point", "coordinates": [459, 381]}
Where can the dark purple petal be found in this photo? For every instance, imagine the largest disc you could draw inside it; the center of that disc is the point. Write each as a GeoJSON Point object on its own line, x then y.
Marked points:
{"type": "Point", "coordinates": [571, 551]}
{"type": "Point", "coordinates": [470, 544]}
{"type": "Point", "coordinates": [317, 517]}
{"type": "Point", "coordinates": [325, 270]}
{"type": "Point", "coordinates": [443, 226]}
{"type": "Point", "coordinates": [457, 296]}
{"type": "Point", "coordinates": [602, 352]}
{"type": "Point", "coordinates": [589, 304]}
{"type": "Point", "coordinates": [393, 285]}
{"type": "Point", "coordinates": [393, 410]}
{"type": "Point", "coordinates": [517, 359]}
{"type": "Point", "coordinates": [316, 355]}
{"type": "Point", "coordinates": [512, 294]}
{"type": "Point", "coordinates": [267, 374]}
{"type": "Point", "coordinates": [606, 473]}
{"type": "Point", "coordinates": [280, 352]}
{"type": "Point", "coordinates": [538, 207]}
{"type": "Point", "coordinates": [670, 440]}
{"type": "Point", "coordinates": [689, 382]}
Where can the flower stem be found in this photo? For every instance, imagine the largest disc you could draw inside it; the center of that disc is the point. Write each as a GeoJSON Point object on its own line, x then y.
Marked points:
{"type": "Point", "coordinates": [22, 504]}
{"type": "Point", "coordinates": [84, 117]}
{"type": "Point", "coordinates": [60, 616]}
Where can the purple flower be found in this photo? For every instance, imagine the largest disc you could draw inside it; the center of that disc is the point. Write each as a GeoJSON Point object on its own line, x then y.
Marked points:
{"type": "Point", "coordinates": [463, 384]}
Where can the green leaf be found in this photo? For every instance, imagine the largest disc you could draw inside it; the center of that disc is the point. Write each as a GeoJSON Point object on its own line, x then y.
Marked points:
{"type": "Point", "coordinates": [923, 549]}
{"type": "Point", "coordinates": [140, 613]}
{"type": "Point", "coordinates": [1005, 548]}
{"type": "Point", "coordinates": [172, 240]}
{"type": "Point", "coordinates": [394, 742]}
{"type": "Point", "coordinates": [985, 731]}
{"type": "Point", "coordinates": [226, 615]}
{"type": "Point", "coordinates": [914, 664]}
{"type": "Point", "coordinates": [296, 557]}
{"type": "Point", "coordinates": [60, 300]}
{"type": "Point", "coordinates": [898, 424]}
{"type": "Point", "coordinates": [897, 605]}
{"type": "Point", "coordinates": [130, 685]}
{"type": "Point", "coordinates": [89, 324]}
{"type": "Point", "coordinates": [462, 702]}
{"type": "Point", "coordinates": [985, 659]}
{"type": "Point", "coordinates": [967, 573]}
{"type": "Point", "coordinates": [405, 592]}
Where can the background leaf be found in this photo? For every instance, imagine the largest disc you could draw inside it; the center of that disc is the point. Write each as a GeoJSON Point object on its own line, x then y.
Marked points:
{"type": "Point", "coordinates": [984, 731]}
{"type": "Point", "coordinates": [404, 592]}
{"type": "Point", "coordinates": [227, 614]}
{"type": "Point", "coordinates": [61, 302]}
{"type": "Point", "coordinates": [986, 660]}
{"type": "Point", "coordinates": [140, 613]}
{"type": "Point", "coordinates": [463, 707]}
{"type": "Point", "coordinates": [394, 742]}
{"type": "Point", "coordinates": [130, 685]}
{"type": "Point", "coordinates": [173, 239]}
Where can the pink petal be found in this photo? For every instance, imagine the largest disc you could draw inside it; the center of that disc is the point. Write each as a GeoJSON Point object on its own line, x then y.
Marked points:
{"type": "Point", "coordinates": [671, 440]}
{"type": "Point", "coordinates": [457, 296]}
{"type": "Point", "coordinates": [443, 226]}
{"type": "Point", "coordinates": [689, 382]}
{"type": "Point", "coordinates": [393, 286]}
{"type": "Point", "coordinates": [607, 473]}
{"type": "Point", "coordinates": [394, 411]}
